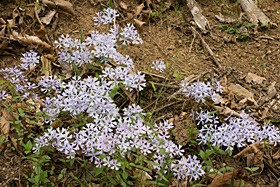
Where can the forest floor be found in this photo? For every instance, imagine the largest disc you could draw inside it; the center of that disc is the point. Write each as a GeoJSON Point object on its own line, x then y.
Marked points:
{"type": "Point", "coordinates": [248, 54]}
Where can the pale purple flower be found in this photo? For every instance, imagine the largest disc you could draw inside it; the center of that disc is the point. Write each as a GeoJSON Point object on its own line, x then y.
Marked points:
{"type": "Point", "coordinates": [158, 65]}
{"type": "Point", "coordinates": [3, 95]}
{"type": "Point", "coordinates": [31, 58]}
{"type": "Point", "coordinates": [129, 33]}
{"type": "Point", "coordinates": [187, 167]}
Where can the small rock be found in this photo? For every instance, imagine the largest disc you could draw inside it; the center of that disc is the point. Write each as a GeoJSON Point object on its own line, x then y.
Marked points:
{"type": "Point", "coordinates": [240, 92]}
{"type": "Point", "coordinates": [254, 78]}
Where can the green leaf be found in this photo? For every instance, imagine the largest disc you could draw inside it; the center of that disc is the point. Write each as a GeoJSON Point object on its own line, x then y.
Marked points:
{"type": "Point", "coordinates": [112, 180]}
{"type": "Point", "coordinates": [124, 175]}
{"type": "Point", "coordinates": [252, 169]}
{"type": "Point", "coordinates": [157, 183]}
{"type": "Point", "coordinates": [152, 83]}
{"type": "Point", "coordinates": [140, 167]}
{"type": "Point", "coordinates": [226, 168]}
{"type": "Point", "coordinates": [163, 177]}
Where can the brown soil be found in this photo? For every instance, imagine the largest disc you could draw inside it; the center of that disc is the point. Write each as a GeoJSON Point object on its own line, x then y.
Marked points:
{"type": "Point", "coordinates": [168, 37]}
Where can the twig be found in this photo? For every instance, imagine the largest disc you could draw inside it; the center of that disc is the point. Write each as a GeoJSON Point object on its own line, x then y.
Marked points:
{"type": "Point", "coordinates": [194, 36]}
{"type": "Point", "coordinates": [39, 20]}
{"type": "Point", "coordinates": [152, 74]}
{"type": "Point", "coordinates": [206, 47]}
{"type": "Point", "coordinates": [168, 105]}
{"type": "Point", "coordinates": [165, 85]}
{"type": "Point", "coordinates": [128, 95]}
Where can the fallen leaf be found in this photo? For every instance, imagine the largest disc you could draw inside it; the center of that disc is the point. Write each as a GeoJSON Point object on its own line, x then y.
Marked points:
{"type": "Point", "coordinates": [253, 78]}
{"type": "Point", "coordinates": [138, 9]}
{"type": "Point", "coordinates": [248, 101]}
{"type": "Point", "coordinates": [41, 32]}
{"type": "Point", "coordinates": [31, 40]}
{"type": "Point", "coordinates": [240, 92]}
{"type": "Point", "coordinates": [138, 23]}
{"type": "Point", "coordinates": [60, 4]}
{"type": "Point", "coordinates": [66, 69]}
{"type": "Point", "coordinates": [253, 148]}
{"type": "Point", "coordinates": [48, 17]}
{"type": "Point", "coordinates": [123, 5]}
{"type": "Point", "coordinates": [4, 126]}
{"type": "Point", "coordinates": [46, 66]}
{"type": "Point", "coordinates": [226, 179]}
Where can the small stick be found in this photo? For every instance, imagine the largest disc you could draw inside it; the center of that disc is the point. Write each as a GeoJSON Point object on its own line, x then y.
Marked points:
{"type": "Point", "coordinates": [168, 105]}
{"type": "Point", "coordinates": [165, 85]}
{"type": "Point", "coordinates": [206, 47]}
{"type": "Point", "coordinates": [194, 36]}
{"type": "Point", "coordinates": [129, 96]}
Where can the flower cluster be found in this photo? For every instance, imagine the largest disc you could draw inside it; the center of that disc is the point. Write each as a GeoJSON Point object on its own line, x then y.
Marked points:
{"type": "Point", "coordinates": [188, 167]}
{"type": "Point", "coordinates": [107, 16]}
{"type": "Point", "coordinates": [200, 90]}
{"type": "Point", "coordinates": [109, 136]}
{"type": "Point", "coordinates": [50, 83]}
{"type": "Point", "coordinates": [235, 132]}
{"type": "Point", "coordinates": [158, 65]}
{"type": "Point", "coordinates": [30, 59]}
{"type": "Point", "coordinates": [17, 80]}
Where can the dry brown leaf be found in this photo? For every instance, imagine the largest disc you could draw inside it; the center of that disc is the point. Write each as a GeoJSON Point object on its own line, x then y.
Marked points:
{"type": "Point", "coordinates": [250, 159]}
{"type": "Point", "coordinates": [60, 4]}
{"type": "Point", "coordinates": [276, 156]}
{"type": "Point", "coordinates": [4, 126]}
{"type": "Point", "coordinates": [4, 44]}
{"type": "Point", "coordinates": [253, 148]}
{"type": "Point", "coordinates": [226, 178]}
{"type": "Point", "coordinates": [148, 2]}
{"type": "Point", "coordinates": [41, 32]}
{"type": "Point", "coordinates": [2, 21]}
{"type": "Point", "coordinates": [139, 23]}
{"type": "Point", "coordinates": [144, 178]}
{"type": "Point", "coordinates": [31, 40]}
{"type": "Point", "coordinates": [46, 66]}
{"type": "Point", "coordinates": [138, 9]}
{"type": "Point", "coordinates": [48, 17]}
{"type": "Point", "coordinates": [123, 5]}
{"type": "Point", "coordinates": [66, 69]}
{"type": "Point", "coordinates": [226, 111]}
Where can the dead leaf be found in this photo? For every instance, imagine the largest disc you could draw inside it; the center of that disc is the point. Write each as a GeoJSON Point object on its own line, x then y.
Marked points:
{"type": "Point", "coordinates": [123, 5]}
{"type": "Point", "coordinates": [5, 126]}
{"type": "Point", "coordinates": [226, 179]}
{"type": "Point", "coordinates": [276, 156]}
{"type": "Point", "coordinates": [138, 23]}
{"type": "Point", "coordinates": [46, 66]}
{"type": "Point", "coordinates": [253, 148]}
{"type": "Point", "coordinates": [66, 69]}
{"type": "Point", "coordinates": [253, 78]}
{"type": "Point", "coordinates": [60, 4]}
{"type": "Point", "coordinates": [4, 44]}
{"type": "Point", "coordinates": [226, 111]}
{"type": "Point", "coordinates": [41, 32]}
{"type": "Point", "coordinates": [248, 102]}
{"type": "Point", "coordinates": [31, 40]}
{"type": "Point", "coordinates": [48, 17]}
{"type": "Point", "coordinates": [138, 9]}
{"type": "Point", "coordinates": [250, 159]}
{"type": "Point", "coordinates": [240, 92]}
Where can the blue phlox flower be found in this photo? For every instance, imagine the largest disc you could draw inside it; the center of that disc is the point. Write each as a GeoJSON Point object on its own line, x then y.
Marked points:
{"type": "Point", "coordinates": [31, 58]}
{"type": "Point", "coordinates": [187, 167]}
{"type": "Point", "coordinates": [3, 95]}
{"type": "Point", "coordinates": [130, 34]}
{"type": "Point", "coordinates": [158, 65]}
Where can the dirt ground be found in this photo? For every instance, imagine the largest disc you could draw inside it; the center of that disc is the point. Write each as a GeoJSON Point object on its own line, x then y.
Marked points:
{"type": "Point", "coordinates": [167, 36]}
